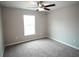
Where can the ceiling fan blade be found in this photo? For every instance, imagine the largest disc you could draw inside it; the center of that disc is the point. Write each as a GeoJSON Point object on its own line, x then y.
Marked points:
{"type": "Point", "coordinates": [46, 8]}
{"type": "Point", "coordinates": [50, 5]}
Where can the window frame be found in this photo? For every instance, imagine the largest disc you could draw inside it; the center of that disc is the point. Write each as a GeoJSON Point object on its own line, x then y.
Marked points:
{"type": "Point", "coordinates": [26, 33]}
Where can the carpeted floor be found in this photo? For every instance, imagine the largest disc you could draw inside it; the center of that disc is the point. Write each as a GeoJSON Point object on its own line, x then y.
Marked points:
{"type": "Point", "coordinates": [40, 48]}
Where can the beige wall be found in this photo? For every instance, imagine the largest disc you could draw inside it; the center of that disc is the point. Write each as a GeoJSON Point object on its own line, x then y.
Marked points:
{"type": "Point", "coordinates": [63, 25]}
{"type": "Point", "coordinates": [13, 25]}
{"type": "Point", "coordinates": [1, 35]}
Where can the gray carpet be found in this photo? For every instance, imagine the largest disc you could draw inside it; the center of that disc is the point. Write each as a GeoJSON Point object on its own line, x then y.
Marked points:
{"type": "Point", "coordinates": [40, 48]}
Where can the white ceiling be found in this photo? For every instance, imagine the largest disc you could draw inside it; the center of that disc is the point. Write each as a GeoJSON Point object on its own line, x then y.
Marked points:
{"type": "Point", "coordinates": [31, 5]}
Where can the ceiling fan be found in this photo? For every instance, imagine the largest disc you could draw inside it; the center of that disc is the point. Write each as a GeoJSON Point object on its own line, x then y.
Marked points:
{"type": "Point", "coordinates": [42, 7]}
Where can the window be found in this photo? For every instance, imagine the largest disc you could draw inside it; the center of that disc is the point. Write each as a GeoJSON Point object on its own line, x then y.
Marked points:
{"type": "Point", "coordinates": [29, 25]}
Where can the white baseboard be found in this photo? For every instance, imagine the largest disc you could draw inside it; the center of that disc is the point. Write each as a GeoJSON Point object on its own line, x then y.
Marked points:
{"type": "Point", "coordinates": [15, 43]}
{"type": "Point", "coordinates": [64, 43]}
{"type": "Point", "coordinates": [21, 41]}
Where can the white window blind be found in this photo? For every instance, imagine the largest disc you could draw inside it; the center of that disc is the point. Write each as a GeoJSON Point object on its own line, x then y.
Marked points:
{"type": "Point", "coordinates": [29, 24]}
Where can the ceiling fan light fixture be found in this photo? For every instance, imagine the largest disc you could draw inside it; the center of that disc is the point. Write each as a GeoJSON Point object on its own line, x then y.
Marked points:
{"type": "Point", "coordinates": [41, 9]}
{"type": "Point", "coordinates": [39, 5]}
